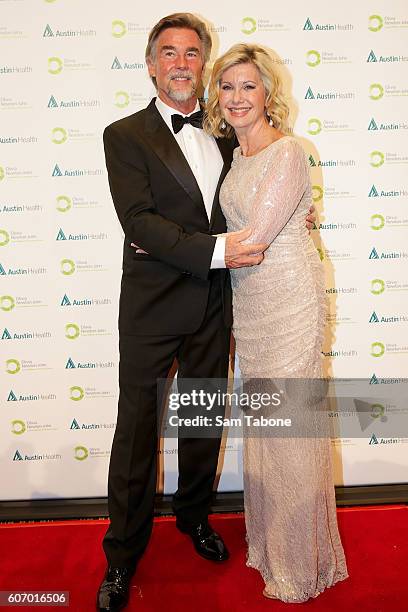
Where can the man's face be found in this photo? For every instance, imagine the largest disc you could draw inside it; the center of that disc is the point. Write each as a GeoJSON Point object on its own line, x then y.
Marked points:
{"type": "Point", "coordinates": [178, 65]}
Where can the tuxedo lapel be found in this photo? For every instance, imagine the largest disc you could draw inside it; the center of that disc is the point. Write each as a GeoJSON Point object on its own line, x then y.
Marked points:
{"type": "Point", "coordinates": [226, 150]}
{"type": "Point", "coordinates": [163, 143]}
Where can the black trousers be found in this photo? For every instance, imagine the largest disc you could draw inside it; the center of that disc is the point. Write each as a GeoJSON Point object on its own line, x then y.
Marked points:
{"type": "Point", "coordinates": [133, 462]}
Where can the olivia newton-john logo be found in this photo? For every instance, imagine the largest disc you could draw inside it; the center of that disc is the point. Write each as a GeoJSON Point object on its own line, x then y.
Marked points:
{"type": "Point", "coordinates": [120, 28]}
{"type": "Point", "coordinates": [250, 25]}
{"type": "Point", "coordinates": [322, 57]}
{"type": "Point", "coordinates": [377, 22]}
{"type": "Point", "coordinates": [8, 302]}
{"type": "Point", "coordinates": [62, 236]}
{"type": "Point", "coordinates": [14, 172]}
{"type": "Point", "coordinates": [16, 366]}
{"type": "Point", "coordinates": [310, 26]}
{"type": "Point", "coordinates": [81, 453]}
{"type": "Point", "coordinates": [335, 254]}
{"type": "Point", "coordinates": [12, 237]}
{"type": "Point", "coordinates": [78, 394]}
{"type": "Point", "coordinates": [379, 349]}
{"type": "Point", "coordinates": [316, 126]}
{"type": "Point", "coordinates": [7, 33]}
{"type": "Point", "coordinates": [375, 56]}
{"type": "Point", "coordinates": [74, 331]}
{"type": "Point", "coordinates": [54, 102]}
{"type": "Point", "coordinates": [19, 427]}
{"type": "Point", "coordinates": [380, 221]}
{"type": "Point", "coordinates": [377, 91]}
{"type": "Point", "coordinates": [388, 126]}
{"type": "Point", "coordinates": [330, 193]}
{"type": "Point", "coordinates": [56, 65]}
{"type": "Point", "coordinates": [379, 285]}
{"type": "Point", "coordinates": [8, 103]}
{"type": "Point", "coordinates": [378, 158]}
{"type": "Point", "coordinates": [328, 95]}
{"type": "Point", "coordinates": [60, 135]}
{"type": "Point", "coordinates": [65, 203]}
{"type": "Point", "coordinates": [71, 266]}
{"type": "Point", "coordinates": [122, 99]}
{"type": "Point", "coordinates": [58, 171]}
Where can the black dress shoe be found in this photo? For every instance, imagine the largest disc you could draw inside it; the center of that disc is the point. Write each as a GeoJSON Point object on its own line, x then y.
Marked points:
{"type": "Point", "coordinates": [206, 541]}
{"type": "Point", "coordinates": [113, 593]}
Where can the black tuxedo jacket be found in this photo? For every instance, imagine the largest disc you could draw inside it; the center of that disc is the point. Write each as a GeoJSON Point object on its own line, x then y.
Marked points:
{"type": "Point", "coordinates": [161, 209]}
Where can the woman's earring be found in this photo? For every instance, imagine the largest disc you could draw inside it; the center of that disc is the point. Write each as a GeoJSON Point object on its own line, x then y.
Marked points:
{"type": "Point", "coordinates": [269, 119]}
{"type": "Point", "coordinates": [223, 125]}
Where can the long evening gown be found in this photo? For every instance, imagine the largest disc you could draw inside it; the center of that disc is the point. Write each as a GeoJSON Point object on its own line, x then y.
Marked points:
{"type": "Point", "coordinates": [279, 318]}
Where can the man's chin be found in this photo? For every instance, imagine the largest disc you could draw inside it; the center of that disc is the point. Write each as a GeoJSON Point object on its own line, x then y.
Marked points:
{"type": "Point", "coordinates": [181, 95]}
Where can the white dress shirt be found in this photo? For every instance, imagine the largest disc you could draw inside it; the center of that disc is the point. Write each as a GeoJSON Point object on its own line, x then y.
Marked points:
{"type": "Point", "coordinates": [206, 163]}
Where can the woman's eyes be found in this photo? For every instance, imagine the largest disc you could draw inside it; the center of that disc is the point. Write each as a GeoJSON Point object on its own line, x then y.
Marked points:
{"type": "Point", "coordinates": [246, 87]}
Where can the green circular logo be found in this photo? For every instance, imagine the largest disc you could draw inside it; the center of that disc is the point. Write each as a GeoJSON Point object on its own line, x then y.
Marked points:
{"type": "Point", "coordinates": [377, 222]}
{"type": "Point", "coordinates": [376, 91]}
{"type": "Point", "coordinates": [118, 28]}
{"type": "Point", "coordinates": [67, 266]}
{"type": "Point", "coordinates": [317, 193]}
{"type": "Point", "coordinates": [122, 99]}
{"type": "Point", "coordinates": [377, 286]}
{"type": "Point", "coordinates": [2, 173]}
{"type": "Point", "coordinates": [375, 23]}
{"type": "Point", "coordinates": [376, 159]}
{"type": "Point", "coordinates": [13, 366]}
{"type": "Point", "coordinates": [64, 203]}
{"type": "Point", "coordinates": [59, 135]}
{"type": "Point", "coordinates": [314, 126]}
{"type": "Point", "coordinates": [377, 349]}
{"type": "Point", "coordinates": [313, 58]}
{"type": "Point", "coordinates": [81, 453]}
{"type": "Point", "coordinates": [7, 303]}
{"type": "Point", "coordinates": [377, 410]}
{"type": "Point", "coordinates": [248, 25]}
{"type": "Point", "coordinates": [76, 394]}
{"type": "Point", "coordinates": [54, 65]}
{"type": "Point", "coordinates": [18, 427]}
{"type": "Point", "coordinates": [72, 331]}
{"type": "Point", "coordinates": [4, 237]}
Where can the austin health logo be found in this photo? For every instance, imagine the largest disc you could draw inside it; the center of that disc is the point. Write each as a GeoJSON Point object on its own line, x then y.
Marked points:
{"type": "Point", "coordinates": [373, 439]}
{"type": "Point", "coordinates": [52, 103]}
{"type": "Point", "coordinates": [2, 271]}
{"type": "Point", "coordinates": [374, 318]}
{"type": "Point", "coordinates": [373, 254]}
{"type": "Point", "coordinates": [17, 456]}
{"type": "Point", "coordinates": [374, 380]}
{"type": "Point", "coordinates": [65, 301]}
{"type": "Point", "coordinates": [74, 424]}
{"type": "Point", "coordinates": [48, 32]}
{"type": "Point", "coordinates": [70, 365]}
{"type": "Point", "coordinates": [308, 25]}
{"type": "Point", "coordinates": [371, 57]}
{"type": "Point", "coordinates": [116, 65]}
{"type": "Point", "coordinates": [373, 193]}
{"type": "Point", "coordinates": [56, 171]}
{"type": "Point", "coordinates": [309, 94]}
{"type": "Point", "coordinates": [375, 23]}
{"type": "Point", "coordinates": [372, 125]}
{"type": "Point", "coordinates": [12, 397]}
{"type": "Point", "coordinates": [312, 161]}
{"type": "Point", "coordinates": [6, 334]}
{"type": "Point", "coordinates": [61, 235]}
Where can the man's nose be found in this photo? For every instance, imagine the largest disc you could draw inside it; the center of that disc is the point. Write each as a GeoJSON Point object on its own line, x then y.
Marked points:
{"type": "Point", "coordinates": [181, 62]}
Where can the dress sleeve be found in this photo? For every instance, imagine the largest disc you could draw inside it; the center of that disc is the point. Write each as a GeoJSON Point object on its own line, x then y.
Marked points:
{"type": "Point", "coordinates": [284, 183]}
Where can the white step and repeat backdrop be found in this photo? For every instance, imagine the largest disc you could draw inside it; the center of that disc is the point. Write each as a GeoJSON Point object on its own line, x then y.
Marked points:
{"type": "Point", "coordinates": [67, 69]}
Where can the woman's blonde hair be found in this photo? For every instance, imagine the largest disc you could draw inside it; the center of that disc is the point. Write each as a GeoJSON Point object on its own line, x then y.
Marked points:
{"type": "Point", "coordinates": [275, 105]}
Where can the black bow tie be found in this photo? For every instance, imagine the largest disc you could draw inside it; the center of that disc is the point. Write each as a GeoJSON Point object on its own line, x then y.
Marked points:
{"type": "Point", "coordinates": [196, 120]}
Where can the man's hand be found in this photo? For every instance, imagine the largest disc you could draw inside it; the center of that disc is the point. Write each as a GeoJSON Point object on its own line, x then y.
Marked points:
{"type": "Point", "coordinates": [311, 218]}
{"type": "Point", "coordinates": [238, 255]}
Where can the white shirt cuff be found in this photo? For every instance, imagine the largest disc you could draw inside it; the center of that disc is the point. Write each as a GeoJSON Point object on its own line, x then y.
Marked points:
{"type": "Point", "coordinates": [218, 258]}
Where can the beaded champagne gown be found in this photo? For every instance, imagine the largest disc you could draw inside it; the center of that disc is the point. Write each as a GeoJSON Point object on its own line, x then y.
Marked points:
{"type": "Point", "coordinates": [279, 317]}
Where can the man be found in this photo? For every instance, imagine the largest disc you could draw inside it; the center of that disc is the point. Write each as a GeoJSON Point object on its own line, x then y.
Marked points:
{"type": "Point", "coordinates": [165, 174]}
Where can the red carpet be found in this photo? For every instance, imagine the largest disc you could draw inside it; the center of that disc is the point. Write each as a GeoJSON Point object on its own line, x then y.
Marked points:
{"type": "Point", "coordinates": [67, 556]}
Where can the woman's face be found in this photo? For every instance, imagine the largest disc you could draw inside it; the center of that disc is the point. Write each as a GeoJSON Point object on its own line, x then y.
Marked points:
{"type": "Point", "coordinates": [242, 96]}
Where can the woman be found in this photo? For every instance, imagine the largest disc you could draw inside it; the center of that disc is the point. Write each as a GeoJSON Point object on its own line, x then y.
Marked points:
{"type": "Point", "coordinates": [279, 316]}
